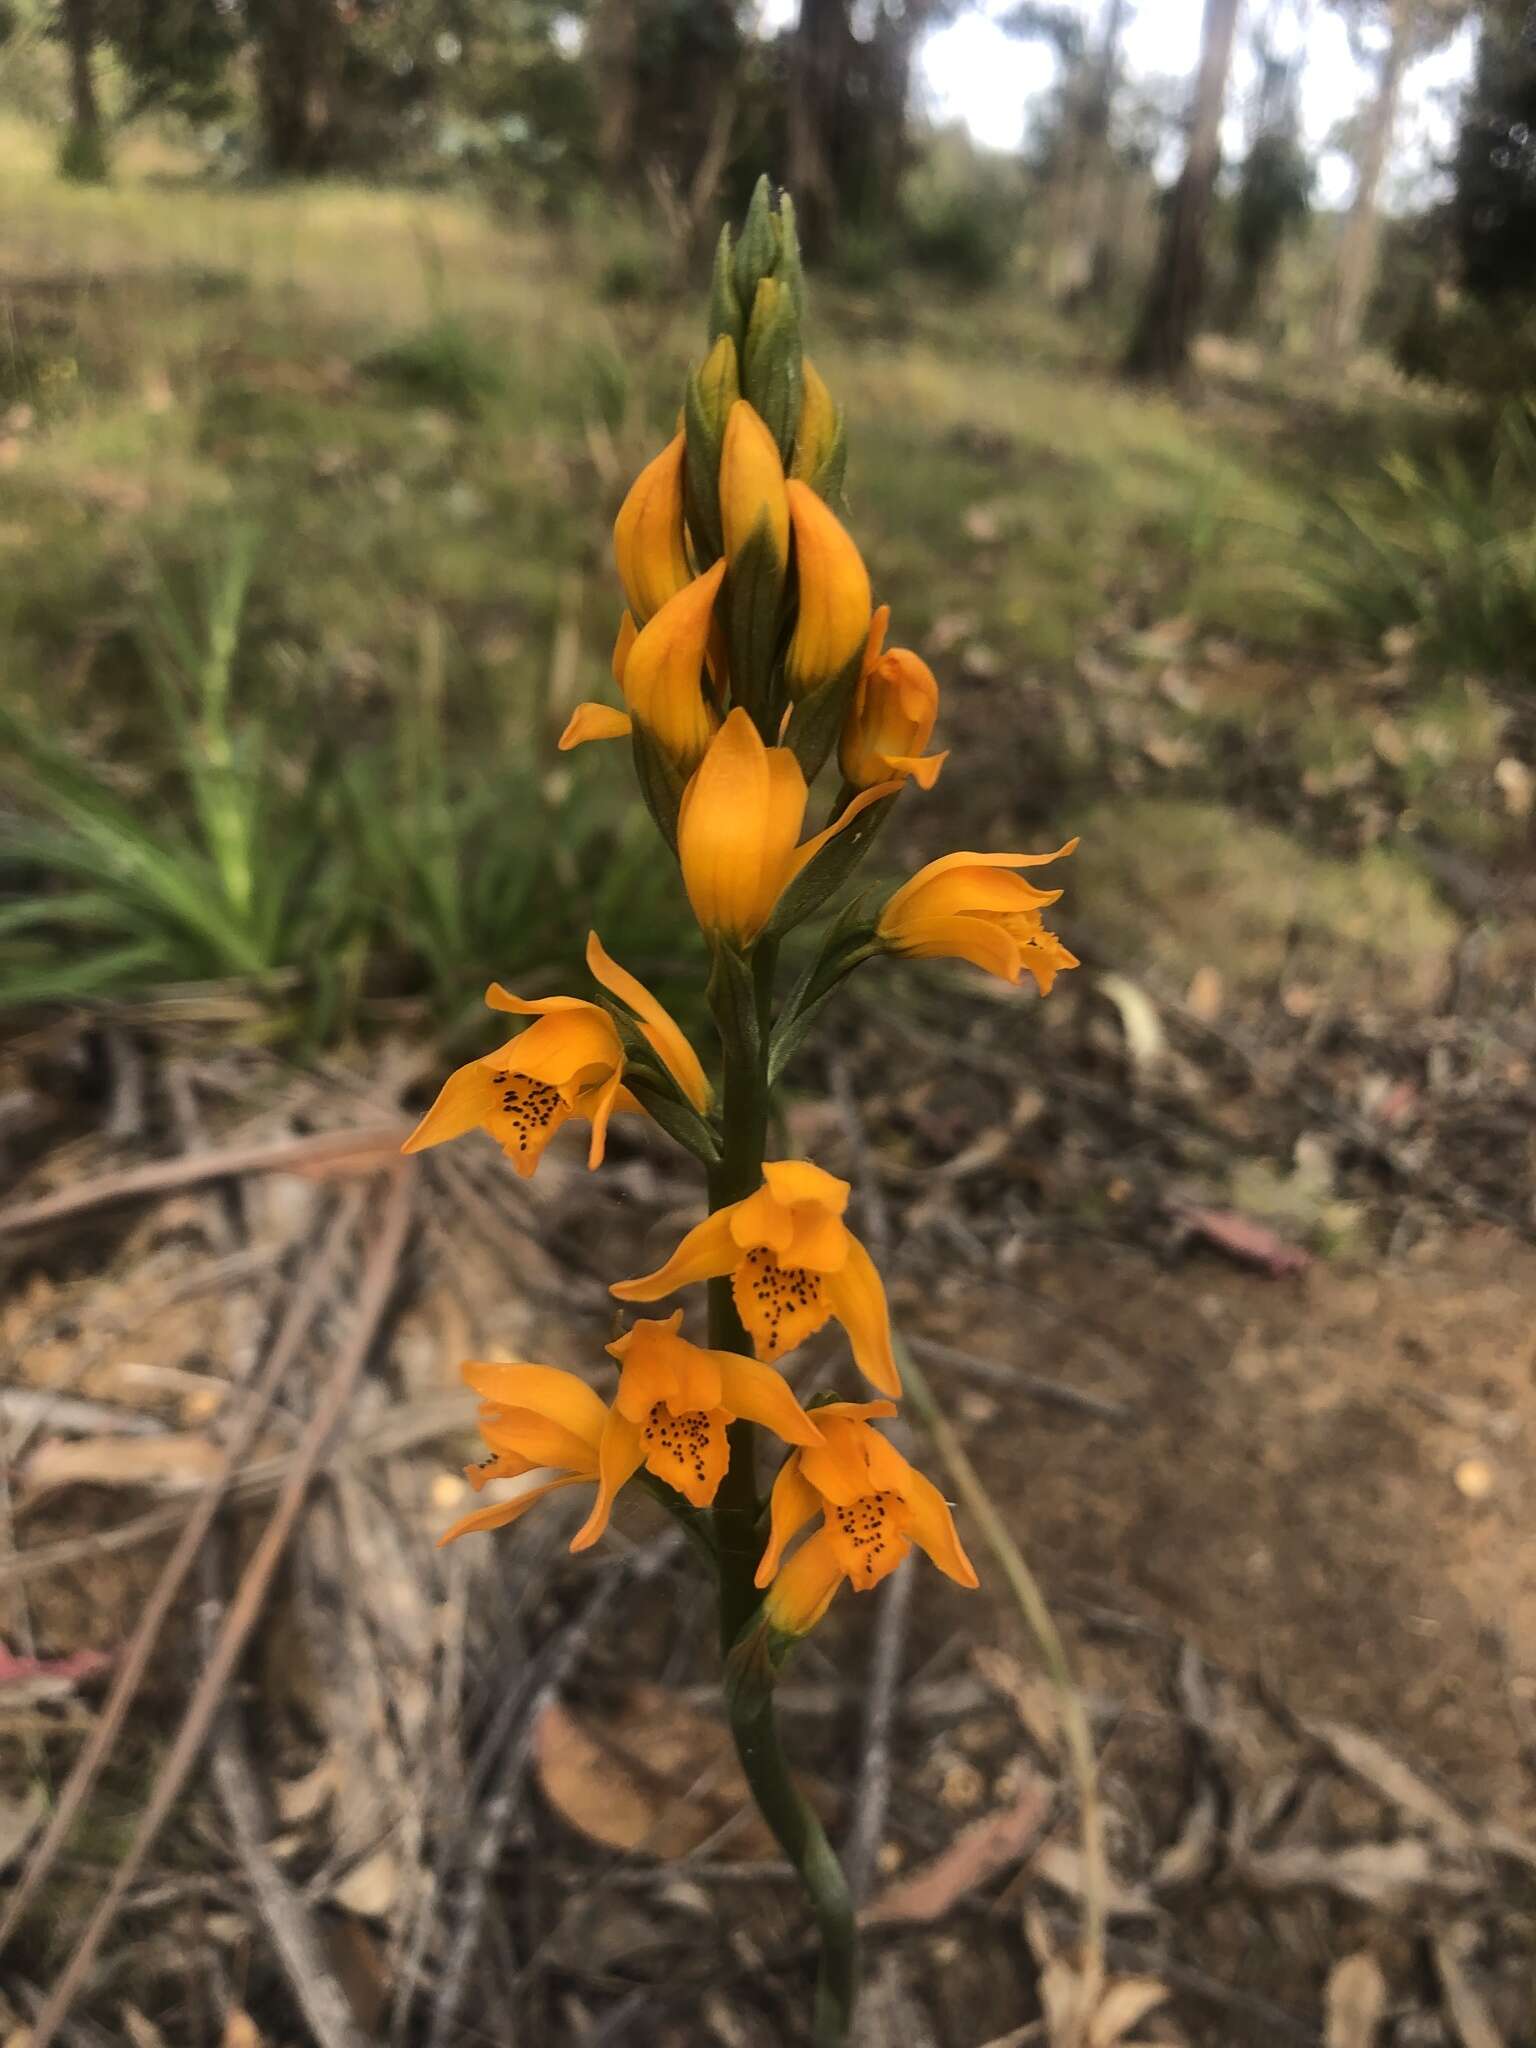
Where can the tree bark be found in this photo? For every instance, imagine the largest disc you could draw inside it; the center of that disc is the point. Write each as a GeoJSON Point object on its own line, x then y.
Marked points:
{"type": "Point", "coordinates": [1160, 347]}
{"type": "Point", "coordinates": [1093, 208]}
{"type": "Point", "coordinates": [300, 46]}
{"type": "Point", "coordinates": [86, 150]}
{"type": "Point", "coordinates": [818, 70]}
{"type": "Point", "coordinates": [615, 41]}
{"type": "Point", "coordinates": [1362, 230]}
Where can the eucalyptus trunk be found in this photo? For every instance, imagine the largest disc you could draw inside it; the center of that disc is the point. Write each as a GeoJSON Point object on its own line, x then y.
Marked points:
{"type": "Point", "coordinates": [1361, 240]}
{"type": "Point", "coordinates": [1170, 312]}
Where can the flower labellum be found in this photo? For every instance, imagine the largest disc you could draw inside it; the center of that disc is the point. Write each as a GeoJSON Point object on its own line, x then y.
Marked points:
{"type": "Point", "coordinates": [874, 1506]}
{"type": "Point", "coordinates": [674, 1405]}
{"type": "Point", "coordinates": [794, 1264]}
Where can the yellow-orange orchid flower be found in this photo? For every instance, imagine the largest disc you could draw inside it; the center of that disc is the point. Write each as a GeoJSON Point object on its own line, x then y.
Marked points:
{"type": "Point", "coordinates": [794, 1265]}
{"type": "Point", "coordinates": [674, 1405]}
{"type": "Point", "coordinates": [569, 1063]}
{"type": "Point", "coordinates": [969, 906]}
{"type": "Point", "coordinates": [832, 622]}
{"type": "Point", "coordinates": [874, 1507]}
{"type": "Point", "coordinates": [663, 677]}
{"type": "Point", "coordinates": [593, 721]}
{"type": "Point", "coordinates": [661, 672]}
{"type": "Point", "coordinates": [541, 1426]}
{"type": "Point", "coordinates": [752, 492]}
{"type": "Point", "coordinates": [648, 542]}
{"type": "Point", "coordinates": [817, 431]}
{"type": "Point", "coordinates": [891, 718]}
{"type": "Point", "coordinates": [738, 829]}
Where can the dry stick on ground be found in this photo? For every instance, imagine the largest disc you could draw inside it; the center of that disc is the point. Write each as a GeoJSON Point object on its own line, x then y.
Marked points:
{"type": "Point", "coordinates": [553, 1666]}
{"type": "Point", "coordinates": [134, 1659]}
{"type": "Point", "coordinates": [378, 1282]}
{"type": "Point", "coordinates": [164, 1176]}
{"type": "Point", "coordinates": [993, 1372]}
{"type": "Point", "coordinates": [402, 1430]}
{"type": "Point", "coordinates": [1037, 1615]}
{"type": "Point", "coordinates": [287, 1919]}
{"type": "Point", "coordinates": [872, 1800]}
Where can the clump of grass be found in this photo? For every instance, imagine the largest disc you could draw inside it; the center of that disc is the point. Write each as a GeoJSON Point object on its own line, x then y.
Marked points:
{"type": "Point", "coordinates": [443, 364]}
{"type": "Point", "coordinates": [479, 859]}
{"type": "Point", "coordinates": [214, 873]}
{"type": "Point", "coordinates": [1450, 552]}
{"type": "Point", "coordinates": [321, 862]}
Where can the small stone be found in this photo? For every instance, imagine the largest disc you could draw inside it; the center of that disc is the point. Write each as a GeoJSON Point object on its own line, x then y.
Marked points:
{"type": "Point", "coordinates": [1474, 1478]}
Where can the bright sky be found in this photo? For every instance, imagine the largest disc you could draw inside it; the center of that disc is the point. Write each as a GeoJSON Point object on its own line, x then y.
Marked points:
{"type": "Point", "coordinates": [975, 73]}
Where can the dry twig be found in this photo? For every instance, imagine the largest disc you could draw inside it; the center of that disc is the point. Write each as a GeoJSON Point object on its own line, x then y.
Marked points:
{"type": "Point", "coordinates": [250, 1597]}
{"type": "Point", "coordinates": [327, 1149]}
{"type": "Point", "coordinates": [134, 1660]}
{"type": "Point", "coordinates": [287, 1919]}
{"type": "Point", "coordinates": [493, 1822]}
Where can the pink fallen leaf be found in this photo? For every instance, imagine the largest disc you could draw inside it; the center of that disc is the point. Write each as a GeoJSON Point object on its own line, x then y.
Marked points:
{"type": "Point", "coordinates": [976, 1854]}
{"type": "Point", "coordinates": [1245, 1239]}
{"type": "Point", "coordinates": [34, 1678]}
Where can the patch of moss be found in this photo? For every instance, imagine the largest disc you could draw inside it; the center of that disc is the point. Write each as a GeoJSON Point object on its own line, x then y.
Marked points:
{"type": "Point", "coordinates": [1173, 886]}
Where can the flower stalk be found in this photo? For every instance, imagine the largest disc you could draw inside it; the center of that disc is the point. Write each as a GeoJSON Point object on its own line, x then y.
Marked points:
{"type": "Point", "coordinates": [749, 656]}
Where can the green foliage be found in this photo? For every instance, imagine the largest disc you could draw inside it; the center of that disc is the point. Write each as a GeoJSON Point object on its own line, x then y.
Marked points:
{"type": "Point", "coordinates": [1274, 198]}
{"type": "Point", "coordinates": [1450, 550]}
{"type": "Point", "coordinates": [444, 364]}
{"type": "Point", "coordinates": [420, 859]}
{"type": "Point", "coordinates": [476, 859]}
{"type": "Point", "coordinates": [215, 868]}
{"type": "Point", "coordinates": [962, 214]}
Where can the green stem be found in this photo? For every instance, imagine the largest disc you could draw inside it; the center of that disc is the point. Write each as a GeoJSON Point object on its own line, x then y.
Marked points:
{"type": "Point", "coordinates": [744, 1119]}
{"type": "Point", "coordinates": [803, 1839]}
{"type": "Point", "coordinates": [739, 1173]}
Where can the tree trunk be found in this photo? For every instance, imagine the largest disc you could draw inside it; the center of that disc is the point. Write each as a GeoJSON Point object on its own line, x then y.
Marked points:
{"type": "Point", "coordinates": [1160, 347]}
{"type": "Point", "coordinates": [615, 40]}
{"type": "Point", "coordinates": [818, 69]}
{"type": "Point", "coordinates": [1092, 206]}
{"type": "Point", "coordinates": [84, 155]}
{"type": "Point", "coordinates": [299, 59]}
{"type": "Point", "coordinates": [1362, 230]}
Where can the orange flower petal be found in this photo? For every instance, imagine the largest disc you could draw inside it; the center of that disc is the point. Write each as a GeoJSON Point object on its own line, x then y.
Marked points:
{"type": "Point", "coordinates": [659, 1028]}
{"type": "Point", "coordinates": [802, 1592]}
{"type": "Point", "coordinates": [594, 722]}
{"type": "Point", "coordinates": [545, 1389]}
{"type": "Point", "coordinates": [791, 1505]}
{"type": "Point", "coordinates": [619, 1457]}
{"type": "Point", "coordinates": [931, 1526]}
{"type": "Point", "coordinates": [498, 1514]}
{"type": "Point", "coordinates": [857, 1298]}
{"type": "Point", "coordinates": [707, 1252]}
{"type": "Point", "coordinates": [759, 1394]}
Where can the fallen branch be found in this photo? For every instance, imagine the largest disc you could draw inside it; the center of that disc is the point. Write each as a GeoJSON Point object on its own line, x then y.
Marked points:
{"type": "Point", "coordinates": [995, 1372]}
{"type": "Point", "coordinates": [134, 1660]}
{"type": "Point", "coordinates": [295, 1939]}
{"type": "Point", "coordinates": [372, 1146]}
{"type": "Point", "coordinates": [245, 1609]}
{"type": "Point", "coordinates": [401, 1431]}
{"type": "Point", "coordinates": [1037, 1615]}
{"type": "Point", "coordinates": [520, 1718]}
